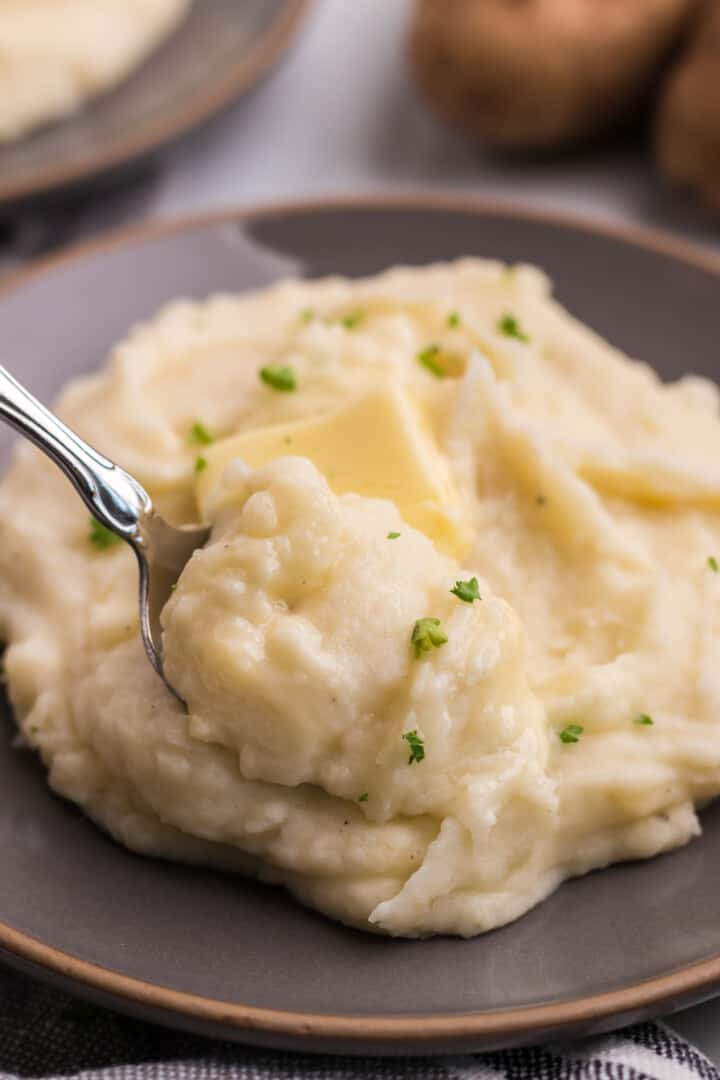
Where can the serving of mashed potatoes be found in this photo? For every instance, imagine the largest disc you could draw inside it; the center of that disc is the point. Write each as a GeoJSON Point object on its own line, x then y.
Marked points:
{"type": "Point", "coordinates": [57, 54]}
{"type": "Point", "coordinates": [455, 636]}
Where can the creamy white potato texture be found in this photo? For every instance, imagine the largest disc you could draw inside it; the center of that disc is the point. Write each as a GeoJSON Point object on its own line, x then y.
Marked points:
{"type": "Point", "coordinates": [57, 54]}
{"type": "Point", "coordinates": [560, 711]}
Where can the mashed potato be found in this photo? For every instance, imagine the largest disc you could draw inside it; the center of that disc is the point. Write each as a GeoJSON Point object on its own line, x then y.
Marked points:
{"type": "Point", "coordinates": [56, 54]}
{"type": "Point", "coordinates": [417, 729]}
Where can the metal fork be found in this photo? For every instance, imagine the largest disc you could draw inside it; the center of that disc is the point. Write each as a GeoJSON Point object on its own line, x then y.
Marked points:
{"type": "Point", "coordinates": [117, 501]}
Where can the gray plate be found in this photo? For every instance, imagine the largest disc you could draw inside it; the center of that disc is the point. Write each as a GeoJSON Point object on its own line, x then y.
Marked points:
{"type": "Point", "coordinates": [224, 956]}
{"type": "Point", "coordinates": [216, 55]}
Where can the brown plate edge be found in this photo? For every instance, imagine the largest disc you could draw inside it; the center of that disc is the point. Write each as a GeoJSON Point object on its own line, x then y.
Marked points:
{"type": "Point", "coordinates": [120, 151]}
{"type": "Point", "coordinates": [657, 241]}
{"type": "Point", "coordinates": [423, 1034]}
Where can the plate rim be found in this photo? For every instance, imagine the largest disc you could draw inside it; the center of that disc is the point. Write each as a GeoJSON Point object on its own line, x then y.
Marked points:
{"type": "Point", "coordinates": [174, 124]}
{"type": "Point", "coordinates": [650, 996]}
{"type": "Point", "coordinates": [657, 240]}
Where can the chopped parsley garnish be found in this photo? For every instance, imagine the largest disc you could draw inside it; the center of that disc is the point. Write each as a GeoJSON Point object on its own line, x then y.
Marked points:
{"type": "Point", "coordinates": [417, 746]}
{"type": "Point", "coordinates": [200, 434]}
{"type": "Point", "coordinates": [352, 319]}
{"type": "Point", "coordinates": [571, 733]}
{"type": "Point", "coordinates": [467, 590]}
{"type": "Point", "coordinates": [713, 564]}
{"type": "Point", "coordinates": [279, 378]}
{"type": "Point", "coordinates": [307, 314]}
{"type": "Point", "coordinates": [200, 464]}
{"type": "Point", "coordinates": [363, 797]}
{"type": "Point", "coordinates": [540, 500]}
{"type": "Point", "coordinates": [428, 358]}
{"type": "Point", "coordinates": [101, 536]}
{"type": "Point", "coordinates": [453, 319]}
{"type": "Point", "coordinates": [509, 326]}
{"type": "Point", "coordinates": [427, 634]}
{"type": "Point", "coordinates": [440, 362]}
{"type": "Point", "coordinates": [644, 720]}
{"type": "Point", "coordinates": [393, 535]}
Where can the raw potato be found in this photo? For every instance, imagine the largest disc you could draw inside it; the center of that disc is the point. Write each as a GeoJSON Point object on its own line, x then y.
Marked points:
{"type": "Point", "coordinates": [688, 128]}
{"type": "Point", "coordinates": [536, 73]}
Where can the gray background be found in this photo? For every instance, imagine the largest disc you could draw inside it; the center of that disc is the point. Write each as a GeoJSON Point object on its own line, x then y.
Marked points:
{"type": "Point", "coordinates": [341, 116]}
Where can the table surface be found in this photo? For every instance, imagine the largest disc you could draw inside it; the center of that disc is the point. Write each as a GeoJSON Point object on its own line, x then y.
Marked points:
{"type": "Point", "coordinates": [342, 116]}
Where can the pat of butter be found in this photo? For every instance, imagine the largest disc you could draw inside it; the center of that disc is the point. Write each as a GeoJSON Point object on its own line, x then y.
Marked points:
{"type": "Point", "coordinates": [378, 446]}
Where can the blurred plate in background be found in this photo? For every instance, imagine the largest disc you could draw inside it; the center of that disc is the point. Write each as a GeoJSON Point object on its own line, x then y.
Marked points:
{"type": "Point", "coordinates": [218, 53]}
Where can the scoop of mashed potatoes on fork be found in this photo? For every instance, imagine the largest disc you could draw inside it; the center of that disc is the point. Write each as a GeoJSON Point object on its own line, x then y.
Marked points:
{"type": "Point", "coordinates": [419, 708]}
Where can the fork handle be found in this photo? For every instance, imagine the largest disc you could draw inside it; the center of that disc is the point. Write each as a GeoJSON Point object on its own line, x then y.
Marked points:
{"type": "Point", "coordinates": [111, 495]}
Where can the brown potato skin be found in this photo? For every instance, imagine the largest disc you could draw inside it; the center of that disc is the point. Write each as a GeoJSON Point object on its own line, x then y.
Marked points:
{"type": "Point", "coordinates": [525, 74]}
{"type": "Point", "coordinates": [687, 134]}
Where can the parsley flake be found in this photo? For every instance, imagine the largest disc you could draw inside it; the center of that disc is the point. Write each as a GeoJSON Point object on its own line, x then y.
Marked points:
{"type": "Point", "coordinates": [713, 564]}
{"type": "Point", "coordinates": [352, 319]}
{"type": "Point", "coordinates": [200, 464]}
{"type": "Point", "coordinates": [541, 500]}
{"type": "Point", "coordinates": [571, 733]}
{"type": "Point", "coordinates": [200, 434]}
{"type": "Point", "coordinates": [467, 591]}
{"type": "Point", "coordinates": [509, 326]}
{"type": "Point", "coordinates": [428, 358]}
{"type": "Point", "coordinates": [279, 378]}
{"type": "Point", "coordinates": [101, 536]}
{"type": "Point", "coordinates": [427, 634]}
{"type": "Point", "coordinates": [393, 535]}
{"type": "Point", "coordinates": [644, 720]}
{"type": "Point", "coordinates": [417, 746]}
{"type": "Point", "coordinates": [363, 797]}
{"type": "Point", "coordinates": [307, 315]}
{"type": "Point", "coordinates": [453, 319]}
